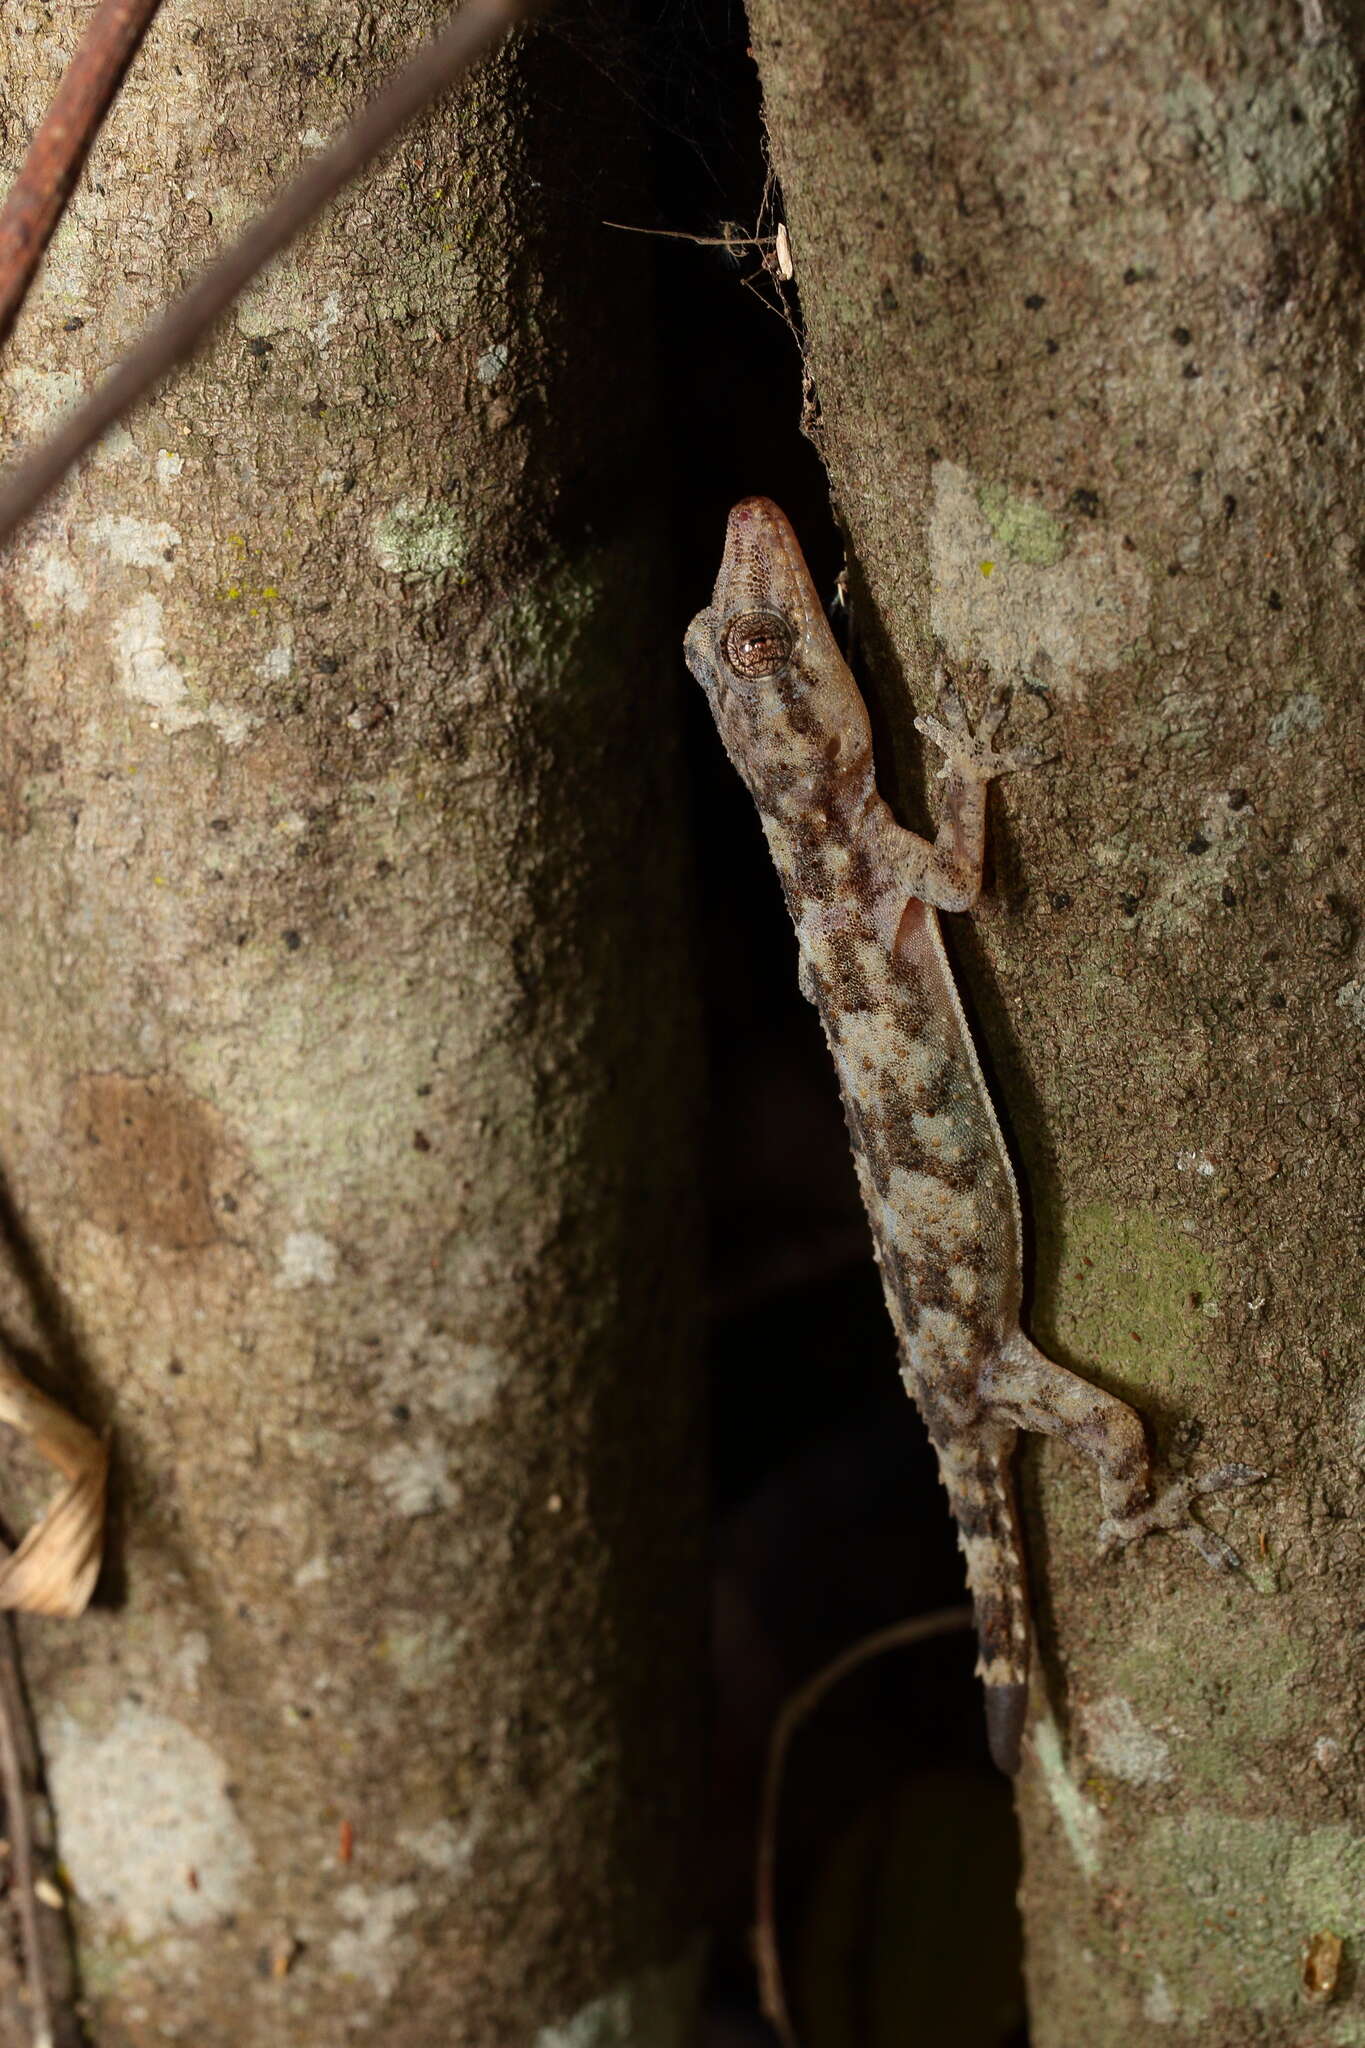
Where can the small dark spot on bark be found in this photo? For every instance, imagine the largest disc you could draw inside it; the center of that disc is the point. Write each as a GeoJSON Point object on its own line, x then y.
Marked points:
{"type": "Point", "coordinates": [1279, 1001]}
{"type": "Point", "coordinates": [1238, 799]}
{"type": "Point", "coordinates": [919, 262]}
{"type": "Point", "coordinates": [1131, 276]}
{"type": "Point", "coordinates": [1086, 502]}
{"type": "Point", "coordinates": [259, 347]}
{"type": "Point", "coordinates": [293, 939]}
{"type": "Point", "coordinates": [1181, 336]}
{"type": "Point", "coordinates": [1034, 301]}
{"type": "Point", "coordinates": [1191, 370]}
{"type": "Point", "coordinates": [1060, 900]}
{"type": "Point", "coordinates": [1173, 568]}
{"type": "Point", "coordinates": [383, 867]}
{"type": "Point", "coordinates": [228, 1203]}
{"type": "Point", "coordinates": [400, 1412]}
{"type": "Point", "coordinates": [174, 1368]}
{"type": "Point", "coordinates": [1229, 896]}
{"type": "Point", "coordinates": [421, 1142]}
{"type": "Point", "coordinates": [889, 302]}
{"type": "Point", "coordinates": [1297, 116]}
{"type": "Point", "coordinates": [315, 409]}
{"type": "Point", "coordinates": [424, 1087]}
{"type": "Point", "coordinates": [1196, 477]}
{"type": "Point", "coordinates": [1051, 346]}
{"type": "Point", "coordinates": [220, 824]}
{"type": "Point", "coordinates": [1199, 844]}
{"type": "Point", "coordinates": [327, 665]}
{"type": "Point", "coordinates": [1275, 601]}
{"type": "Point", "coordinates": [1229, 506]}
{"type": "Point", "coordinates": [931, 454]}
{"type": "Point", "coordinates": [1130, 904]}
{"type": "Point", "coordinates": [73, 325]}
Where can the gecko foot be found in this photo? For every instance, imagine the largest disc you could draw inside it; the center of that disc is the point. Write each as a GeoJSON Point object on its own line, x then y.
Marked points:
{"type": "Point", "coordinates": [972, 754]}
{"type": "Point", "coordinates": [1171, 1510]}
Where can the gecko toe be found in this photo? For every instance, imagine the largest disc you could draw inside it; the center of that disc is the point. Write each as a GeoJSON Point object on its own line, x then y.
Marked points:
{"type": "Point", "coordinates": [1229, 1476]}
{"type": "Point", "coordinates": [995, 711]}
{"type": "Point", "coordinates": [950, 707]}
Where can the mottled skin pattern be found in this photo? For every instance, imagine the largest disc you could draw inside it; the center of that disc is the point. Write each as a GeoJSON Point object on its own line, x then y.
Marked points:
{"type": "Point", "coordinates": [863, 894]}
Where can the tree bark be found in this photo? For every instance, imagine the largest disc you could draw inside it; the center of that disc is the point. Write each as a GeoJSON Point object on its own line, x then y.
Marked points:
{"type": "Point", "coordinates": [1082, 300]}
{"type": "Point", "coordinates": [345, 1036]}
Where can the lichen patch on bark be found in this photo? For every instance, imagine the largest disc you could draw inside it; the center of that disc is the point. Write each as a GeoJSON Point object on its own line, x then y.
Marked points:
{"type": "Point", "coordinates": [1012, 588]}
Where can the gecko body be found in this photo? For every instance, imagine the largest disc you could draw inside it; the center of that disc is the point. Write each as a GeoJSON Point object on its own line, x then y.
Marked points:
{"type": "Point", "coordinates": [935, 1176]}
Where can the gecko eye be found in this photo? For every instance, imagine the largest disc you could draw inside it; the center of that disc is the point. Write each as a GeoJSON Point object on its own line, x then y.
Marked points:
{"type": "Point", "coordinates": [758, 644]}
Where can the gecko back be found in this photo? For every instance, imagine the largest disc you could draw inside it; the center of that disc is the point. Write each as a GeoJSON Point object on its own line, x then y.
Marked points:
{"type": "Point", "coordinates": [932, 1165]}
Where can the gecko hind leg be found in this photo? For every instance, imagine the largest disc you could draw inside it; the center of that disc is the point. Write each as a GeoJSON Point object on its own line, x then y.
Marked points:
{"type": "Point", "coordinates": [1032, 1392]}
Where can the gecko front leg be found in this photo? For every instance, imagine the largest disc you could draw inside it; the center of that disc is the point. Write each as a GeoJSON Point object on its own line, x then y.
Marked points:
{"type": "Point", "coordinates": [932, 1165]}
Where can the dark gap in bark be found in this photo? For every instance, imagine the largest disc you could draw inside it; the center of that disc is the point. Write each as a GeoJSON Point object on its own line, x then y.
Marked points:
{"type": "Point", "coordinates": [898, 1857]}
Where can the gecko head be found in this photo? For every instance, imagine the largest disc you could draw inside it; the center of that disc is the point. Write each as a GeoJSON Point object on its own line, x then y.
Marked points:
{"type": "Point", "coordinates": [788, 710]}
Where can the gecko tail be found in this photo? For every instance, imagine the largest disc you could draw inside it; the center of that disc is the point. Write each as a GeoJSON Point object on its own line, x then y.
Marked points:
{"type": "Point", "coordinates": [977, 1473]}
{"type": "Point", "coordinates": [1006, 1713]}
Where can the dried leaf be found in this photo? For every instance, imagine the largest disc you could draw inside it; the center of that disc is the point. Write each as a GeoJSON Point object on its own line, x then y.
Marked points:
{"type": "Point", "coordinates": [55, 1567]}
{"type": "Point", "coordinates": [1321, 1966]}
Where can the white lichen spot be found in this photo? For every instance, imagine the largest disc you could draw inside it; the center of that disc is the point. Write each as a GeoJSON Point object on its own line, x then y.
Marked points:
{"type": "Point", "coordinates": [115, 446]}
{"type": "Point", "coordinates": [1120, 1746]}
{"type": "Point", "coordinates": [442, 1846]}
{"type": "Point", "coordinates": [150, 1837]}
{"type": "Point", "coordinates": [144, 670]}
{"type": "Point", "coordinates": [313, 1572]}
{"type": "Point", "coordinates": [1279, 138]}
{"type": "Point", "coordinates": [137, 543]}
{"type": "Point", "coordinates": [492, 363]}
{"type": "Point", "coordinates": [312, 138]}
{"type": "Point", "coordinates": [327, 321]}
{"type": "Point", "coordinates": [1007, 592]}
{"type": "Point", "coordinates": [308, 1259]}
{"type": "Point", "coordinates": [422, 1658]}
{"type": "Point", "coordinates": [458, 1380]}
{"type": "Point", "coordinates": [420, 540]}
{"type": "Point", "coordinates": [1158, 2005]}
{"type": "Point", "coordinates": [1082, 1822]}
{"type": "Point", "coordinates": [186, 1662]}
{"type": "Point", "coordinates": [169, 464]}
{"type": "Point", "coordinates": [372, 1949]}
{"type": "Point", "coordinates": [1194, 1162]}
{"type": "Point", "coordinates": [1326, 1752]}
{"type": "Point", "coordinates": [61, 582]}
{"type": "Point", "coordinates": [230, 722]}
{"type": "Point", "coordinates": [146, 673]}
{"type": "Point", "coordinates": [277, 664]}
{"type": "Point", "coordinates": [1302, 712]}
{"type": "Point", "coordinates": [657, 2008]}
{"type": "Point", "coordinates": [415, 1478]}
{"type": "Point", "coordinates": [1351, 998]}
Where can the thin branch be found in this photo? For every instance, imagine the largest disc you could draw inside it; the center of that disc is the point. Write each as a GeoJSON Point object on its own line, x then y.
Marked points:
{"type": "Point", "coordinates": [478, 27]}
{"type": "Point", "coordinates": [58, 149]}
{"type": "Point", "coordinates": [901, 1635]}
{"type": "Point", "coordinates": [16, 1775]}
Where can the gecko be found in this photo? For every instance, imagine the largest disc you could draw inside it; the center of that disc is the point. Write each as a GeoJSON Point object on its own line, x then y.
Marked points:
{"type": "Point", "coordinates": [864, 895]}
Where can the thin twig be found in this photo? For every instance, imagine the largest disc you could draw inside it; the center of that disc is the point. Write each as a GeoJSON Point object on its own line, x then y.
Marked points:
{"type": "Point", "coordinates": [767, 1952]}
{"type": "Point", "coordinates": [57, 151]}
{"type": "Point", "coordinates": [735, 241]}
{"type": "Point", "coordinates": [17, 1790]}
{"type": "Point", "coordinates": [478, 27]}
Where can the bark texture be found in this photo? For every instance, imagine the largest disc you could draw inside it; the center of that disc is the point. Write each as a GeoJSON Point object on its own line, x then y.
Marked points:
{"type": "Point", "coordinates": [345, 1073]}
{"type": "Point", "coordinates": [1082, 301]}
